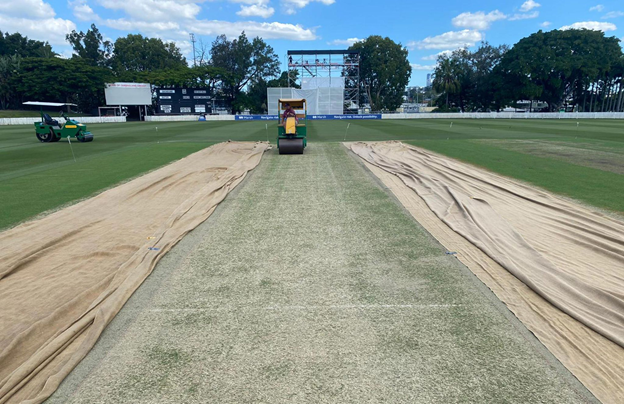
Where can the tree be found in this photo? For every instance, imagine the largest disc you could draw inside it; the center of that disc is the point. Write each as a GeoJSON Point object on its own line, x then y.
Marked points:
{"type": "Point", "coordinates": [559, 65]}
{"type": "Point", "coordinates": [465, 78]}
{"type": "Point", "coordinates": [90, 46]}
{"type": "Point", "coordinates": [256, 99]}
{"type": "Point", "coordinates": [446, 80]}
{"type": "Point", "coordinates": [202, 54]}
{"type": "Point", "coordinates": [184, 76]}
{"type": "Point", "coordinates": [384, 72]}
{"type": "Point", "coordinates": [285, 81]}
{"type": "Point", "coordinates": [134, 54]}
{"type": "Point", "coordinates": [617, 99]}
{"type": "Point", "coordinates": [181, 76]}
{"type": "Point", "coordinates": [485, 85]}
{"type": "Point", "coordinates": [16, 44]}
{"type": "Point", "coordinates": [9, 69]}
{"type": "Point", "coordinates": [245, 62]}
{"type": "Point", "coordinates": [62, 80]}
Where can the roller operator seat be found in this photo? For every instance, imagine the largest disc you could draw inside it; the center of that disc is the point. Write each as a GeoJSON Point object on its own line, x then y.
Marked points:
{"type": "Point", "coordinates": [49, 121]}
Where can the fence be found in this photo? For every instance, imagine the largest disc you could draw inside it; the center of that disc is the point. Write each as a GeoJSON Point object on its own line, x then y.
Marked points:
{"type": "Point", "coordinates": [185, 118]}
{"type": "Point", "coordinates": [82, 119]}
{"type": "Point", "coordinates": [508, 115]}
{"type": "Point", "coordinates": [455, 115]}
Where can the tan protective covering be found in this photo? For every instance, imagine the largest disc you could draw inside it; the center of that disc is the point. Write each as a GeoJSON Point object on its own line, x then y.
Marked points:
{"type": "Point", "coordinates": [559, 253]}
{"type": "Point", "coordinates": [65, 276]}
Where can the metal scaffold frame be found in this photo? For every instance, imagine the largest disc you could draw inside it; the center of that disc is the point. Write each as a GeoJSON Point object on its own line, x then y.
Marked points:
{"type": "Point", "coordinates": [343, 64]}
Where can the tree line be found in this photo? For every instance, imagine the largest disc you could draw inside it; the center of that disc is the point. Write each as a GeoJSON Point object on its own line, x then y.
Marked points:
{"type": "Point", "coordinates": [571, 70]}
{"type": "Point", "coordinates": [29, 69]}
{"type": "Point", "coordinates": [580, 70]}
{"type": "Point", "coordinates": [237, 72]}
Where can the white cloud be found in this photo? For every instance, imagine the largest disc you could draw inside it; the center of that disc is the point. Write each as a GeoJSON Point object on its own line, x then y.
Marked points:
{"type": "Point", "coordinates": [26, 8]}
{"type": "Point", "coordinates": [186, 48]}
{"type": "Point", "coordinates": [613, 14]}
{"type": "Point", "coordinates": [593, 25]}
{"type": "Point", "coordinates": [292, 6]}
{"type": "Point", "coordinates": [344, 42]}
{"type": "Point", "coordinates": [154, 10]}
{"type": "Point", "coordinates": [266, 30]}
{"type": "Point", "coordinates": [250, 2]}
{"type": "Point", "coordinates": [52, 30]}
{"type": "Point", "coordinates": [478, 20]}
{"type": "Point", "coordinates": [416, 66]}
{"type": "Point", "coordinates": [83, 11]}
{"type": "Point", "coordinates": [256, 11]}
{"type": "Point", "coordinates": [150, 27]}
{"type": "Point", "coordinates": [529, 5]}
{"type": "Point", "coordinates": [449, 40]}
{"type": "Point", "coordinates": [435, 57]}
{"type": "Point", "coordinates": [598, 8]}
{"type": "Point", "coordinates": [174, 19]}
{"type": "Point", "coordinates": [525, 16]}
{"type": "Point", "coordinates": [546, 24]}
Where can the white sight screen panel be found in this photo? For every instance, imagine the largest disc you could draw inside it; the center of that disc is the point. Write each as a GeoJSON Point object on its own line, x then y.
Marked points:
{"type": "Point", "coordinates": [321, 101]}
{"type": "Point", "coordinates": [311, 83]}
{"type": "Point", "coordinates": [128, 94]}
{"type": "Point", "coordinates": [274, 94]}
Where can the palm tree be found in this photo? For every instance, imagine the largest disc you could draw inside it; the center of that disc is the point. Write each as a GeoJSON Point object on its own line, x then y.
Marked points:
{"type": "Point", "coordinates": [445, 77]}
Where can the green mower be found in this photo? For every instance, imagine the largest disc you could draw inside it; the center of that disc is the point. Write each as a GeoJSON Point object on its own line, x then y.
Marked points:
{"type": "Point", "coordinates": [291, 130]}
{"type": "Point", "coordinates": [50, 130]}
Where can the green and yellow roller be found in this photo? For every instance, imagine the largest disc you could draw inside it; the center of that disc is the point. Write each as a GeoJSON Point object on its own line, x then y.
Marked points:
{"type": "Point", "coordinates": [50, 130]}
{"type": "Point", "coordinates": [291, 130]}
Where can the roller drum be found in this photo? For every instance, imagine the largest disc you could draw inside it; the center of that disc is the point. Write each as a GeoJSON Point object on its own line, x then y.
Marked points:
{"type": "Point", "coordinates": [291, 146]}
{"type": "Point", "coordinates": [85, 137]}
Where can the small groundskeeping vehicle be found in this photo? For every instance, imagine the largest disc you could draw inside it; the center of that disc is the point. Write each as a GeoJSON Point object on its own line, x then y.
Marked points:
{"type": "Point", "coordinates": [292, 132]}
{"type": "Point", "coordinates": [50, 130]}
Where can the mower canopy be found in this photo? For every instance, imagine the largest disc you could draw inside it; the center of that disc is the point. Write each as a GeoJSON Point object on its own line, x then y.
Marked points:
{"type": "Point", "coordinates": [49, 104]}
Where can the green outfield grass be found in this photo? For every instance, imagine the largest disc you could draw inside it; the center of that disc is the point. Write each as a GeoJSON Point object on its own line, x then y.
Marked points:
{"type": "Point", "coordinates": [584, 161]}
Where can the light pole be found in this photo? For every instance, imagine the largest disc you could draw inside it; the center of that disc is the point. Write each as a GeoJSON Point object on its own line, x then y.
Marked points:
{"type": "Point", "coordinates": [193, 42]}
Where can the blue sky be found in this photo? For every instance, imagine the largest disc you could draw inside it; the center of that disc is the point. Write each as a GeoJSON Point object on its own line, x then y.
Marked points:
{"type": "Point", "coordinates": [426, 28]}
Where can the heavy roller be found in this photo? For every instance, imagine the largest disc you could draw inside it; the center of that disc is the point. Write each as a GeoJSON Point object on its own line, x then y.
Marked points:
{"type": "Point", "coordinates": [291, 130]}
{"type": "Point", "coordinates": [50, 130]}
